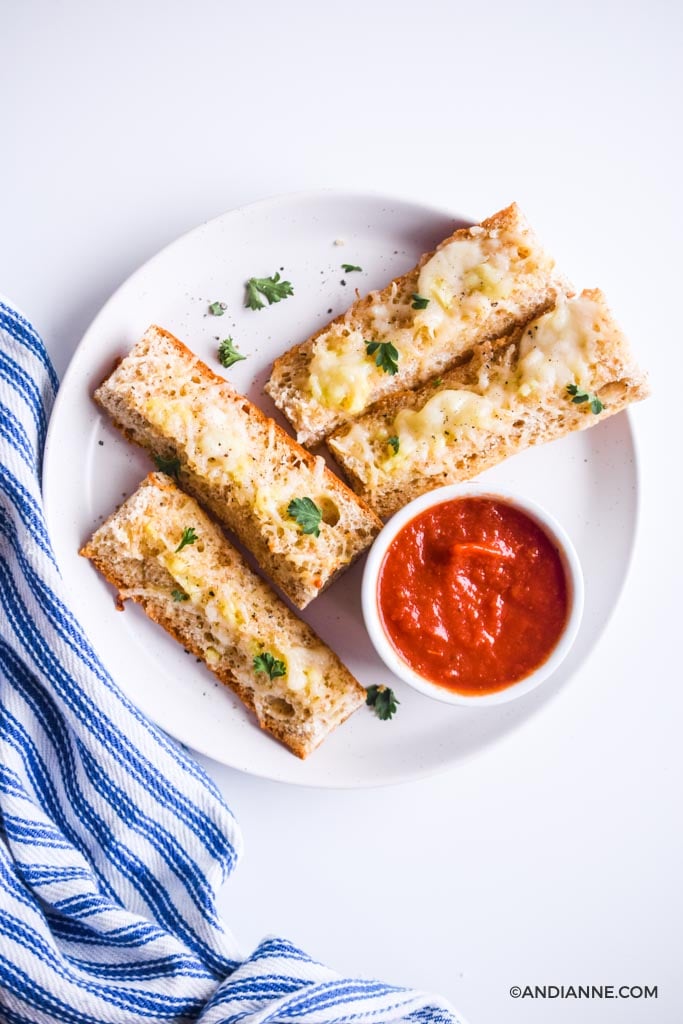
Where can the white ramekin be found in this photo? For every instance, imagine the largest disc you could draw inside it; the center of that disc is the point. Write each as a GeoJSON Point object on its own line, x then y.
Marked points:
{"type": "Point", "coordinates": [384, 646]}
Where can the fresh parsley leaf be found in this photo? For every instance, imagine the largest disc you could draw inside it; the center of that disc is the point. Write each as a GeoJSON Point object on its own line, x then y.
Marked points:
{"type": "Point", "coordinates": [272, 288]}
{"type": "Point", "coordinates": [394, 443]}
{"type": "Point", "coordinates": [437, 382]}
{"type": "Point", "coordinates": [180, 595]}
{"type": "Point", "coordinates": [383, 700]}
{"type": "Point", "coordinates": [307, 515]}
{"type": "Point", "coordinates": [217, 308]}
{"type": "Point", "coordinates": [419, 301]}
{"type": "Point", "coordinates": [387, 355]}
{"type": "Point", "coordinates": [349, 268]}
{"type": "Point", "coordinates": [228, 354]}
{"type": "Point", "coordinates": [189, 537]}
{"type": "Point", "coordinates": [171, 467]}
{"type": "Point", "coordinates": [272, 666]}
{"type": "Point", "coordinates": [580, 396]}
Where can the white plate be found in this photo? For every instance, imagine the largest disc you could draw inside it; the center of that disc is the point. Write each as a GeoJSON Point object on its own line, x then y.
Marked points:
{"type": "Point", "coordinates": [588, 481]}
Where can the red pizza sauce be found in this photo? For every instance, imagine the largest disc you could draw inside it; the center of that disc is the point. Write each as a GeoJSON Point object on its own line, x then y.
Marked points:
{"type": "Point", "coordinates": [473, 595]}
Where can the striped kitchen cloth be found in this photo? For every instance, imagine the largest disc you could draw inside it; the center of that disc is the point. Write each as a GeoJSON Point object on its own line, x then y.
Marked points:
{"type": "Point", "coordinates": [112, 840]}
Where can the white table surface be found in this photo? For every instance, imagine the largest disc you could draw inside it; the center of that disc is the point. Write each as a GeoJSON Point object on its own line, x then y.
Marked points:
{"type": "Point", "coordinates": [553, 857]}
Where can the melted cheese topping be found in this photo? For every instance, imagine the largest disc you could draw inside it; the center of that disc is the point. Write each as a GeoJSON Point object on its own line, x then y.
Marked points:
{"type": "Point", "coordinates": [464, 279]}
{"type": "Point", "coordinates": [217, 440]}
{"type": "Point", "coordinates": [446, 412]}
{"type": "Point", "coordinates": [340, 375]}
{"type": "Point", "coordinates": [556, 349]}
{"type": "Point", "coordinates": [423, 434]}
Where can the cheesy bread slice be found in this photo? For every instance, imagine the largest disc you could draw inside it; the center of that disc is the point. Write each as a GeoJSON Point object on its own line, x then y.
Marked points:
{"type": "Point", "coordinates": [161, 550]}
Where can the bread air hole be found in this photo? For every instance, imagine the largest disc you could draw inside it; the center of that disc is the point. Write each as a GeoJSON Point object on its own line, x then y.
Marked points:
{"type": "Point", "coordinates": [279, 707]}
{"type": "Point", "coordinates": [330, 512]}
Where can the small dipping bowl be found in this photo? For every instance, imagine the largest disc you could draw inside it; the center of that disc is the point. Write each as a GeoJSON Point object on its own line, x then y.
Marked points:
{"type": "Point", "coordinates": [448, 692]}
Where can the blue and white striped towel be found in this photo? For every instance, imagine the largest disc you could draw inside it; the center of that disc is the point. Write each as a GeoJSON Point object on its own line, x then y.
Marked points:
{"type": "Point", "coordinates": [112, 840]}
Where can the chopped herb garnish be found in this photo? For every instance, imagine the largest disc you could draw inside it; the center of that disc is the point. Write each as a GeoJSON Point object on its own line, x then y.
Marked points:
{"type": "Point", "coordinates": [171, 467]}
{"type": "Point", "coordinates": [579, 397]}
{"type": "Point", "coordinates": [394, 443]}
{"type": "Point", "coordinates": [189, 537]}
{"type": "Point", "coordinates": [383, 700]}
{"type": "Point", "coordinates": [420, 302]}
{"type": "Point", "coordinates": [387, 355]}
{"type": "Point", "coordinates": [437, 382]}
{"type": "Point", "coordinates": [217, 308]}
{"type": "Point", "coordinates": [272, 666]}
{"type": "Point", "coordinates": [228, 354]}
{"type": "Point", "coordinates": [272, 289]}
{"type": "Point", "coordinates": [180, 595]}
{"type": "Point", "coordinates": [349, 268]}
{"type": "Point", "coordinates": [307, 515]}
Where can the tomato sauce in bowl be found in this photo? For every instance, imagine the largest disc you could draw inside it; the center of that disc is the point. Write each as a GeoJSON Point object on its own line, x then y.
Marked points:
{"type": "Point", "coordinates": [473, 595]}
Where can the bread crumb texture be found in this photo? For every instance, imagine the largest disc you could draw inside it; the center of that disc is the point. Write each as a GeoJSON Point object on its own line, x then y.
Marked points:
{"type": "Point", "coordinates": [209, 599]}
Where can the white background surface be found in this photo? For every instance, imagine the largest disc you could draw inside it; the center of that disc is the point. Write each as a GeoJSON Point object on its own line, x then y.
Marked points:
{"type": "Point", "coordinates": [553, 857]}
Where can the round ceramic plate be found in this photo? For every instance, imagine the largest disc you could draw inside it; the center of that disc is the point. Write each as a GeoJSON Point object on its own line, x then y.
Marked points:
{"type": "Point", "coordinates": [587, 480]}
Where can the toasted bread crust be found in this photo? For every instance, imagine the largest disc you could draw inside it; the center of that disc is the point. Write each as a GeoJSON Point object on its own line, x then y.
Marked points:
{"type": "Point", "coordinates": [121, 551]}
{"type": "Point", "coordinates": [147, 402]}
{"type": "Point", "coordinates": [288, 385]}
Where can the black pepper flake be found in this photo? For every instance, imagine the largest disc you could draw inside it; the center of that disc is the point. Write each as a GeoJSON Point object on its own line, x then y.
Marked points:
{"type": "Point", "coordinates": [101, 444]}
{"type": "Point", "coordinates": [343, 282]}
{"type": "Point", "coordinates": [329, 311]}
